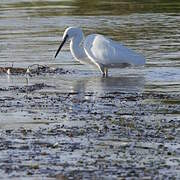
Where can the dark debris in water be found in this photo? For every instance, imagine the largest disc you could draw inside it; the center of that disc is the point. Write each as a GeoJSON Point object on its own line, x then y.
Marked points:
{"type": "Point", "coordinates": [34, 69]}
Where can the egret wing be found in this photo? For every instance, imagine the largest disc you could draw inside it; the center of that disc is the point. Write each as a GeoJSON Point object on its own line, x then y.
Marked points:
{"type": "Point", "coordinates": [105, 51]}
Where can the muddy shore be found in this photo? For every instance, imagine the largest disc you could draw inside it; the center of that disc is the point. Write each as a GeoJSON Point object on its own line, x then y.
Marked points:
{"type": "Point", "coordinates": [89, 135]}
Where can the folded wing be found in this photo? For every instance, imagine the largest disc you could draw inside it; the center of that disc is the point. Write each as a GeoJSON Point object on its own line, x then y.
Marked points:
{"type": "Point", "coordinates": [108, 52]}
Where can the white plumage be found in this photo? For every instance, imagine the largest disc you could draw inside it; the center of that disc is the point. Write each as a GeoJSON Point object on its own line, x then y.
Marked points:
{"type": "Point", "coordinates": [99, 50]}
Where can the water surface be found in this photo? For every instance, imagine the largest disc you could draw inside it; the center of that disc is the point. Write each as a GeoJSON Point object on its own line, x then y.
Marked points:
{"type": "Point", "coordinates": [131, 118]}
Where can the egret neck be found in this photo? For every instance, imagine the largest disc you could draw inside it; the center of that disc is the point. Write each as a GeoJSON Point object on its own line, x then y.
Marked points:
{"type": "Point", "coordinates": [77, 49]}
{"type": "Point", "coordinates": [75, 46]}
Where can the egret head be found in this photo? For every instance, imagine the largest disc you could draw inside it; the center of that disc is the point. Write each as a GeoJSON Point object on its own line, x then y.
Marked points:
{"type": "Point", "coordinates": [69, 34]}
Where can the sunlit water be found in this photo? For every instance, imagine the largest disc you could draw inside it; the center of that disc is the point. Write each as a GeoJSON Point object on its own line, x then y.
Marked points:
{"type": "Point", "coordinates": [30, 32]}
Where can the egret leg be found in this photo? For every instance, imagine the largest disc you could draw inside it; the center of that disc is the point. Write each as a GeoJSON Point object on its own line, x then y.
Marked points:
{"type": "Point", "coordinates": [102, 69]}
{"type": "Point", "coordinates": [106, 71]}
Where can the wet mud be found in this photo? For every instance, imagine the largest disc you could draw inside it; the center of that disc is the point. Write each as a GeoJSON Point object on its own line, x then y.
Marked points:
{"type": "Point", "coordinates": [89, 135]}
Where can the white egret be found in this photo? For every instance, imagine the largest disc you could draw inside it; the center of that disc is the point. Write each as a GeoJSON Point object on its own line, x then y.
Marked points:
{"type": "Point", "coordinates": [100, 51]}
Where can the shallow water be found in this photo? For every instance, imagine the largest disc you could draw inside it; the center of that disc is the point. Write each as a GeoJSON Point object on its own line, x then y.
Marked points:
{"type": "Point", "coordinates": [30, 33]}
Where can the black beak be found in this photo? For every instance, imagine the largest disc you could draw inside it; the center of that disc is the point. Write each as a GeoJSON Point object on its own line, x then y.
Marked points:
{"type": "Point", "coordinates": [61, 45]}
